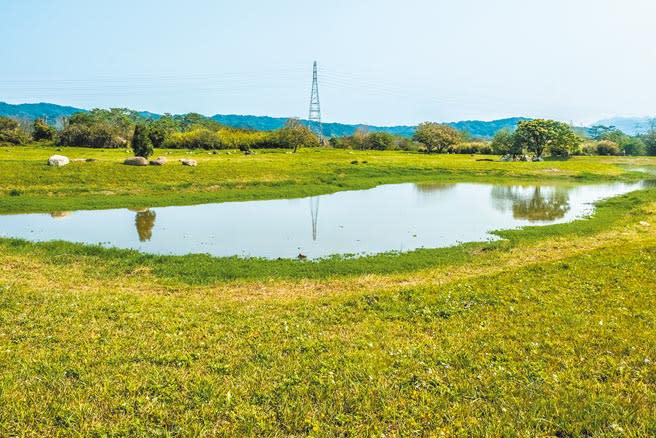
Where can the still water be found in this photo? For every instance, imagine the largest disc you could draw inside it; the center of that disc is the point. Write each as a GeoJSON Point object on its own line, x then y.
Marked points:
{"type": "Point", "coordinates": [398, 217]}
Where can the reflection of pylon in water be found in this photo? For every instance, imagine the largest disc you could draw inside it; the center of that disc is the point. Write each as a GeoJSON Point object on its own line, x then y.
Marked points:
{"type": "Point", "coordinates": [314, 212]}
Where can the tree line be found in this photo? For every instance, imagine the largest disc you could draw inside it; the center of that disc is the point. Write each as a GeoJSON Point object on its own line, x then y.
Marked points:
{"type": "Point", "coordinates": [557, 139]}
{"type": "Point", "coordinates": [124, 128]}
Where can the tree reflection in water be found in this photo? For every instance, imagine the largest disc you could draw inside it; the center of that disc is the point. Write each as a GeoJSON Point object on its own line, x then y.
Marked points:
{"type": "Point", "coordinates": [432, 190]}
{"type": "Point", "coordinates": [145, 221]}
{"type": "Point", "coordinates": [536, 204]}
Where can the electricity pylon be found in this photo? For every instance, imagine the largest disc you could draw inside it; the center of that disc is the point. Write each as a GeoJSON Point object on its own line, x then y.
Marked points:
{"type": "Point", "coordinates": [315, 108]}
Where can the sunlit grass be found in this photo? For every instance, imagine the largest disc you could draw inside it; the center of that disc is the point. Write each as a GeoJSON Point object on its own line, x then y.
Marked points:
{"type": "Point", "coordinates": [230, 175]}
{"type": "Point", "coordinates": [549, 332]}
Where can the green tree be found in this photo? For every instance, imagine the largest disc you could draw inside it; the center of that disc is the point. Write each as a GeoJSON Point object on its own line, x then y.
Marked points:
{"type": "Point", "coordinates": [141, 144]}
{"type": "Point", "coordinates": [607, 147]}
{"type": "Point", "coordinates": [42, 131]}
{"type": "Point", "coordinates": [541, 135]}
{"type": "Point", "coordinates": [359, 138]}
{"type": "Point", "coordinates": [597, 132]}
{"type": "Point", "coordinates": [627, 144]}
{"type": "Point", "coordinates": [100, 128]}
{"type": "Point", "coordinates": [503, 144]}
{"type": "Point", "coordinates": [190, 121]}
{"type": "Point", "coordinates": [379, 141]}
{"type": "Point", "coordinates": [159, 130]}
{"type": "Point", "coordinates": [11, 132]}
{"type": "Point", "coordinates": [8, 124]}
{"type": "Point", "coordinates": [634, 146]}
{"type": "Point", "coordinates": [436, 137]}
{"type": "Point", "coordinates": [650, 139]}
{"type": "Point", "coordinates": [614, 135]}
{"type": "Point", "coordinates": [295, 134]}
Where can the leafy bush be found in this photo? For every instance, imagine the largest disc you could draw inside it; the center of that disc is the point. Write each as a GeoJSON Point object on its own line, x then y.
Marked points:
{"type": "Point", "coordinates": [502, 143]}
{"type": "Point", "coordinates": [562, 150]}
{"type": "Point", "coordinates": [204, 138]}
{"type": "Point", "coordinates": [649, 140]}
{"type": "Point", "coordinates": [634, 146]}
{"type": "Point", "coordinates": [375, 141]}
{"type": "Point", "coordinates": [348, 142]}
{"type": "Point", "coordinates": [473, 147]}
{"type": "Point", "coordinates": [379, 141]}
{"type": "Point", "coordinates": [95, 136]}
{"type": "Point", "coordinates": [339, 143]}
{"type": "Point", "coordinates": [141, 143]}
{"type": "Point", "coordinates": [607, 147]}
{"type": "Point", "coordinates": [406, 144]}
{"type": "Point", "coordinates": [42, 131]}
{"type": "Point", "coordinates": [11, 132]}
{"type": "Point", "coordinates": [247, 139]}
{"type": "Point", "coordinates": [99, 128]}
{"type": "Point", "coordinates": [199, 138]}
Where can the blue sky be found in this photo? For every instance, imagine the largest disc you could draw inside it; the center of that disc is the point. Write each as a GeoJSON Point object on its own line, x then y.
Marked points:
{"type": "Point", "coordinates": [382, 62]}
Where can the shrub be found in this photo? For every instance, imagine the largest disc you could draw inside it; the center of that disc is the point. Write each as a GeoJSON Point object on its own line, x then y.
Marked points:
{"type": "Point", "coordinates": [607, 147]}
{"type": "Point", "coordinates": [141, 143]}
{"type": "Point", "coordinates": [406, 144]}
{"type": "Point", "coordinates": [94, 136]}
{"type": "Point", "coordinates": [502, 143]}
{"type": "Point", "coordinates": [634, 146]}
{"type": "Point", "coordinates": [561, 150]}
{"type": "Point", "coordinates": [649, 139]}
{"type": "Point", "coordinates": [379, 141]}
{"type": "Point", "coordinates": [42, 131]}
{"type": "Point", "coordinates": [199, 138]}
{"type": "Point", "coordinates": [472, 147]}
{"type": "Point", "coordinates": [11, 132]}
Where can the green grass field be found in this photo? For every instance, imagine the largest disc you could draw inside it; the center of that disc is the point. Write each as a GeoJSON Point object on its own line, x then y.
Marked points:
{"type": "Point", "coordinates": [549, 332]}
{"type": "Point", "coordinates": [230, 175]}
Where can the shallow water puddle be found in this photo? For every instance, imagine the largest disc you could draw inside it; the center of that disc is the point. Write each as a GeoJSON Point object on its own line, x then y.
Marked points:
{"type": "Point", "coordinates": [397, 217]}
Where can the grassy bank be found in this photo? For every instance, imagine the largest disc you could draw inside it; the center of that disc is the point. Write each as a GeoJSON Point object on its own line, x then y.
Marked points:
{"type": "Point", "coordinates": [549, 332]}
{"type": "Point", "coordinates": [29, 185]}
{"type": "Point", "coordinates": [552, 337]}
{"type": "Point", "coordinates": [205, 269]}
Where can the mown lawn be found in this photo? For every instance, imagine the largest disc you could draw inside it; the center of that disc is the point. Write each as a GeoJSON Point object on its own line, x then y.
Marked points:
{"type": "Point", "coordinates": [550, 332]}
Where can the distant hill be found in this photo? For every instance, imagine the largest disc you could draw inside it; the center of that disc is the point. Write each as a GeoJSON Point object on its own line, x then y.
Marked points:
{"type": "Point", "coordinates": [266, 123]}
{"type": "Point", "coordinates": [475, 128]}
{"type": "Point", "coordinates": [30, 111]}
{"type": "Point", "coordinates": [53, 113]}
{"type": "Point", "coordinates": [628, 125]}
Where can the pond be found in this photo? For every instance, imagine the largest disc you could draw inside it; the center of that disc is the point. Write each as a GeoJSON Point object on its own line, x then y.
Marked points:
{"type": "Point", "coordinates": [397, 217]}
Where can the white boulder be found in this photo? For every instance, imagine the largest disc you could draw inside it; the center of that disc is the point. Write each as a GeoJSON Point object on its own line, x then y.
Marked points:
{"type": "Point", "coordinates": [58, 161]}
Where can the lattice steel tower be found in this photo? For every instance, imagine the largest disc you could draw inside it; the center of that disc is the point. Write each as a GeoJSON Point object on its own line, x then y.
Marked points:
{"type": "Point", "coordinates": [315, 107]}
